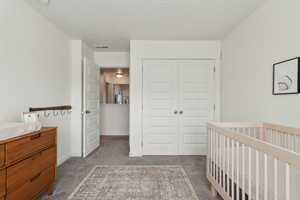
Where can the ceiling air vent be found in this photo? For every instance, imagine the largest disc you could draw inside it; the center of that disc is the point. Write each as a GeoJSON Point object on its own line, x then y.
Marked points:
{"type": "Point", "coordinates": [102, 47]}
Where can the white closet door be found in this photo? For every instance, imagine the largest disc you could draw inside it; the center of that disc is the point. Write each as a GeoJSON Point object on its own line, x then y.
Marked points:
{"type": "Point", "coordinates": [160, 97]}
{"type": "Point", "coordinates": [196, 105]}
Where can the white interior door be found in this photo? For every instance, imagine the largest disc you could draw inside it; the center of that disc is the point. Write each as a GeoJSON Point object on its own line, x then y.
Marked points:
{"type": "Point", "coordinates": [91, 136]}
{"type": "Point", "coordinates": [177, 103]}
{"type": "Point", "coordinates": [160, 127]}
{"type": "Point", "coordinates": [196, 100]}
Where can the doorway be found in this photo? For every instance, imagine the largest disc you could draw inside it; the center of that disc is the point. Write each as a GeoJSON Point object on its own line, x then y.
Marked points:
{"type": "Point", "coordinates": [114, 104]}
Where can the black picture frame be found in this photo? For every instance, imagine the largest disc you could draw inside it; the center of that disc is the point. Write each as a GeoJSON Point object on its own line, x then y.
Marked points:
{"type": "Point", "coordinates": [298, 81]}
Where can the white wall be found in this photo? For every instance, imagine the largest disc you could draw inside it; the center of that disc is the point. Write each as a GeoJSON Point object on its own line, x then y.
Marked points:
{"type": "Point", "coordinates": [114, 119]}
{"type": "Point", "coordinates": [141, 50]}
{"type": "Point", "coordinates": [34, 66]}
{"type": "Point", "coordinates": [112, 59]}
{"type": "Point", "coordinates": [76, 124]}
{"type": "Point", "coordinates": [269, 35]}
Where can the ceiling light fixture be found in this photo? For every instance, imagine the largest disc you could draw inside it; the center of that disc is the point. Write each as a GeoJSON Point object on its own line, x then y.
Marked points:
{"type": "Point", "coordinates": [119, 73]}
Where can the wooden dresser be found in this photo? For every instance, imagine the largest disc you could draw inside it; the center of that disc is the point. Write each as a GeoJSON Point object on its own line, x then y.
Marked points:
{"type": "Point", "coordinates": [28, 165]}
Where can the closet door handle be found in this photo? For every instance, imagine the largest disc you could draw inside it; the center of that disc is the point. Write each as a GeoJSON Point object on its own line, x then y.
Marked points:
{"type": "Point", "coordinates": [181, 112]}
{"type": "Point", "coordinates": [175, 112]}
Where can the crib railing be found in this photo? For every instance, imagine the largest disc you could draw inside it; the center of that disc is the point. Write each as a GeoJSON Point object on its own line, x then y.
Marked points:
{"type": "Point", "coordinates": [282, 136]}
{"type": "Point", "coordinates": [278, 135]}
{"type": "Point", "coordinates": [240, 156]}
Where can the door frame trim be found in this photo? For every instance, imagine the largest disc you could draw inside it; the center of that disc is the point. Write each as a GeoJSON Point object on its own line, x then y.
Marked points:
{"type": "Point", "coordinates": [164, 49]}
{"type": "Point", "coordinates": [83, 68]}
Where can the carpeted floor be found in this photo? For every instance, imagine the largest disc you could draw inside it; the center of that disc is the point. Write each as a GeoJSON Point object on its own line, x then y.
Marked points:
{"type": "Point", "coordinates": [115, 152]}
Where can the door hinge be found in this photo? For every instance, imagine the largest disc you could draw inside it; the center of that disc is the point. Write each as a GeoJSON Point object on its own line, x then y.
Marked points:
{"type": "Point", "coordinates": [214, 69]}
{"type": "Point", "coordinates": [214, 107]}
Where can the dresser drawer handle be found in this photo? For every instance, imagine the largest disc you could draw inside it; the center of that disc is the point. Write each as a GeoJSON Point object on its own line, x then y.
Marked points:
{"type": "Point", "coordinates": [35, 177]}
{"type": "Point", "coordinates": [35, 136]}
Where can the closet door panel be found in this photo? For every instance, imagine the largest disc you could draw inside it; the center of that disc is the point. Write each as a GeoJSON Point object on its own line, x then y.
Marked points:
{"type": "Point", "coordinates": [196, 103]}
{"type": "Point", "coordinates": [160, 97]}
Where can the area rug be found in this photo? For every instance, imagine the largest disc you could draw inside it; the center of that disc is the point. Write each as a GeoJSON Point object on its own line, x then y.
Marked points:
{"type": "Point", "coordinates": [135, 183]}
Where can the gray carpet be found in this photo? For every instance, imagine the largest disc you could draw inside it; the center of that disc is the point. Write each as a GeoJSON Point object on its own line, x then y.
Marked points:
{"type": "Point", "coordinates": [114, 151]}
{"type": "Point", "coordinates": [135, 183]}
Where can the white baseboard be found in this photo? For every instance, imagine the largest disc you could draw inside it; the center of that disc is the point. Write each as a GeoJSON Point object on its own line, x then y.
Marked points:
{"type": "Point", "coordinates": [63, 159]}
{"type": "Point", "coordinates": [114, 133]}
{"type": "Point", "coordinates": [131, 154]}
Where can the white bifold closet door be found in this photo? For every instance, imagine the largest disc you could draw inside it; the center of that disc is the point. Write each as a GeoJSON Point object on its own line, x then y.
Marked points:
{"type": "Point", "coordinates": [178, 101]}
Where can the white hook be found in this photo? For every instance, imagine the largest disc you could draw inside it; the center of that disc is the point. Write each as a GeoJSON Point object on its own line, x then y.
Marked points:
{"type": "Point", "coordinates": [55, 113]}
{"type": "Point", "coordinates": [46, 114]}
{"type": "Point", "coordinates": [62, 112]}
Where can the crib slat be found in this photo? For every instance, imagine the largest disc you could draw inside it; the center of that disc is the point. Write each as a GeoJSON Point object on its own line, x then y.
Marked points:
{"type": "Point", "coordinates": [217, 157]}
{"type": "Point", "coordinates": [287, 181]}
{"type": "Point", "coordinates": [232, 169]}
{"type": "Point", "coordinates": [227, 168]}
{"type": "Point", "coordinates": [275, 179]}
{"type": "Point", "coordinates": [266, 177]}
{"type": "Point", "coordinates": [223, 162]}
{"type": "Point", "coordinates": [257, 175]}
{"type": "Point", "coordinates": [209, 154]}
{"type": "Point", "coordinates": [250, 175]}
{"type": "Point", "coordinates": [243, 172]}
{"type": "Point", "coordinates": [294, 140]}
{"type": "Point", "coordinates": [237, 171]}
{"type": "Point", "coordinates": [220, 158]}
{"type": "Point", "coordinates": [214, 154]}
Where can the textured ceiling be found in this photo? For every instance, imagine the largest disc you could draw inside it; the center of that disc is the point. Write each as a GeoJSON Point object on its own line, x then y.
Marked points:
{"type": "Point", "coordinates": [115, 22]}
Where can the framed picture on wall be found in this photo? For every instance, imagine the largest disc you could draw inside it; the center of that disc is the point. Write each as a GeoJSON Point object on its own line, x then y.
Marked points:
{"type": "Point", "coordinates": [286, 77]}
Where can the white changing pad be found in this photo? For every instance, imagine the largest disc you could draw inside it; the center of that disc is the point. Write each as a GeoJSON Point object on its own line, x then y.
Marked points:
{"type": "Point", "coordinates": [14, 129]}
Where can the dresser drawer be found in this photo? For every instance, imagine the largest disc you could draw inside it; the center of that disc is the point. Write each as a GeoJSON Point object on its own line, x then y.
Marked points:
{"type": "Point", "coordinates": [2, 161]}
{"type": "Point", "coordinates": [22, 148]}
{"type": "Point", "coordinates": [20, 173]}
{"type": "Point", "coordinates": [32, 188]}
{"type": "Point", "coordinates": [2, 183]}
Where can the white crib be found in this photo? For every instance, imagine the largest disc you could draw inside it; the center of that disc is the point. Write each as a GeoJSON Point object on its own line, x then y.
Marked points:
{"type": "Point", "coordinates": [254, 161]}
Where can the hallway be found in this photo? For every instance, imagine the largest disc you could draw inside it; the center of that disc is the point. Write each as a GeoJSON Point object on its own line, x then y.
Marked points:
{"type": "Point", "coordinates": [114, 151]}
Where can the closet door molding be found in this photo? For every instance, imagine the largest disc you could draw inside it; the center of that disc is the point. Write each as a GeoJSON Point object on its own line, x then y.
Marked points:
{"type": "Point", "coordinates": [141, 50]}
